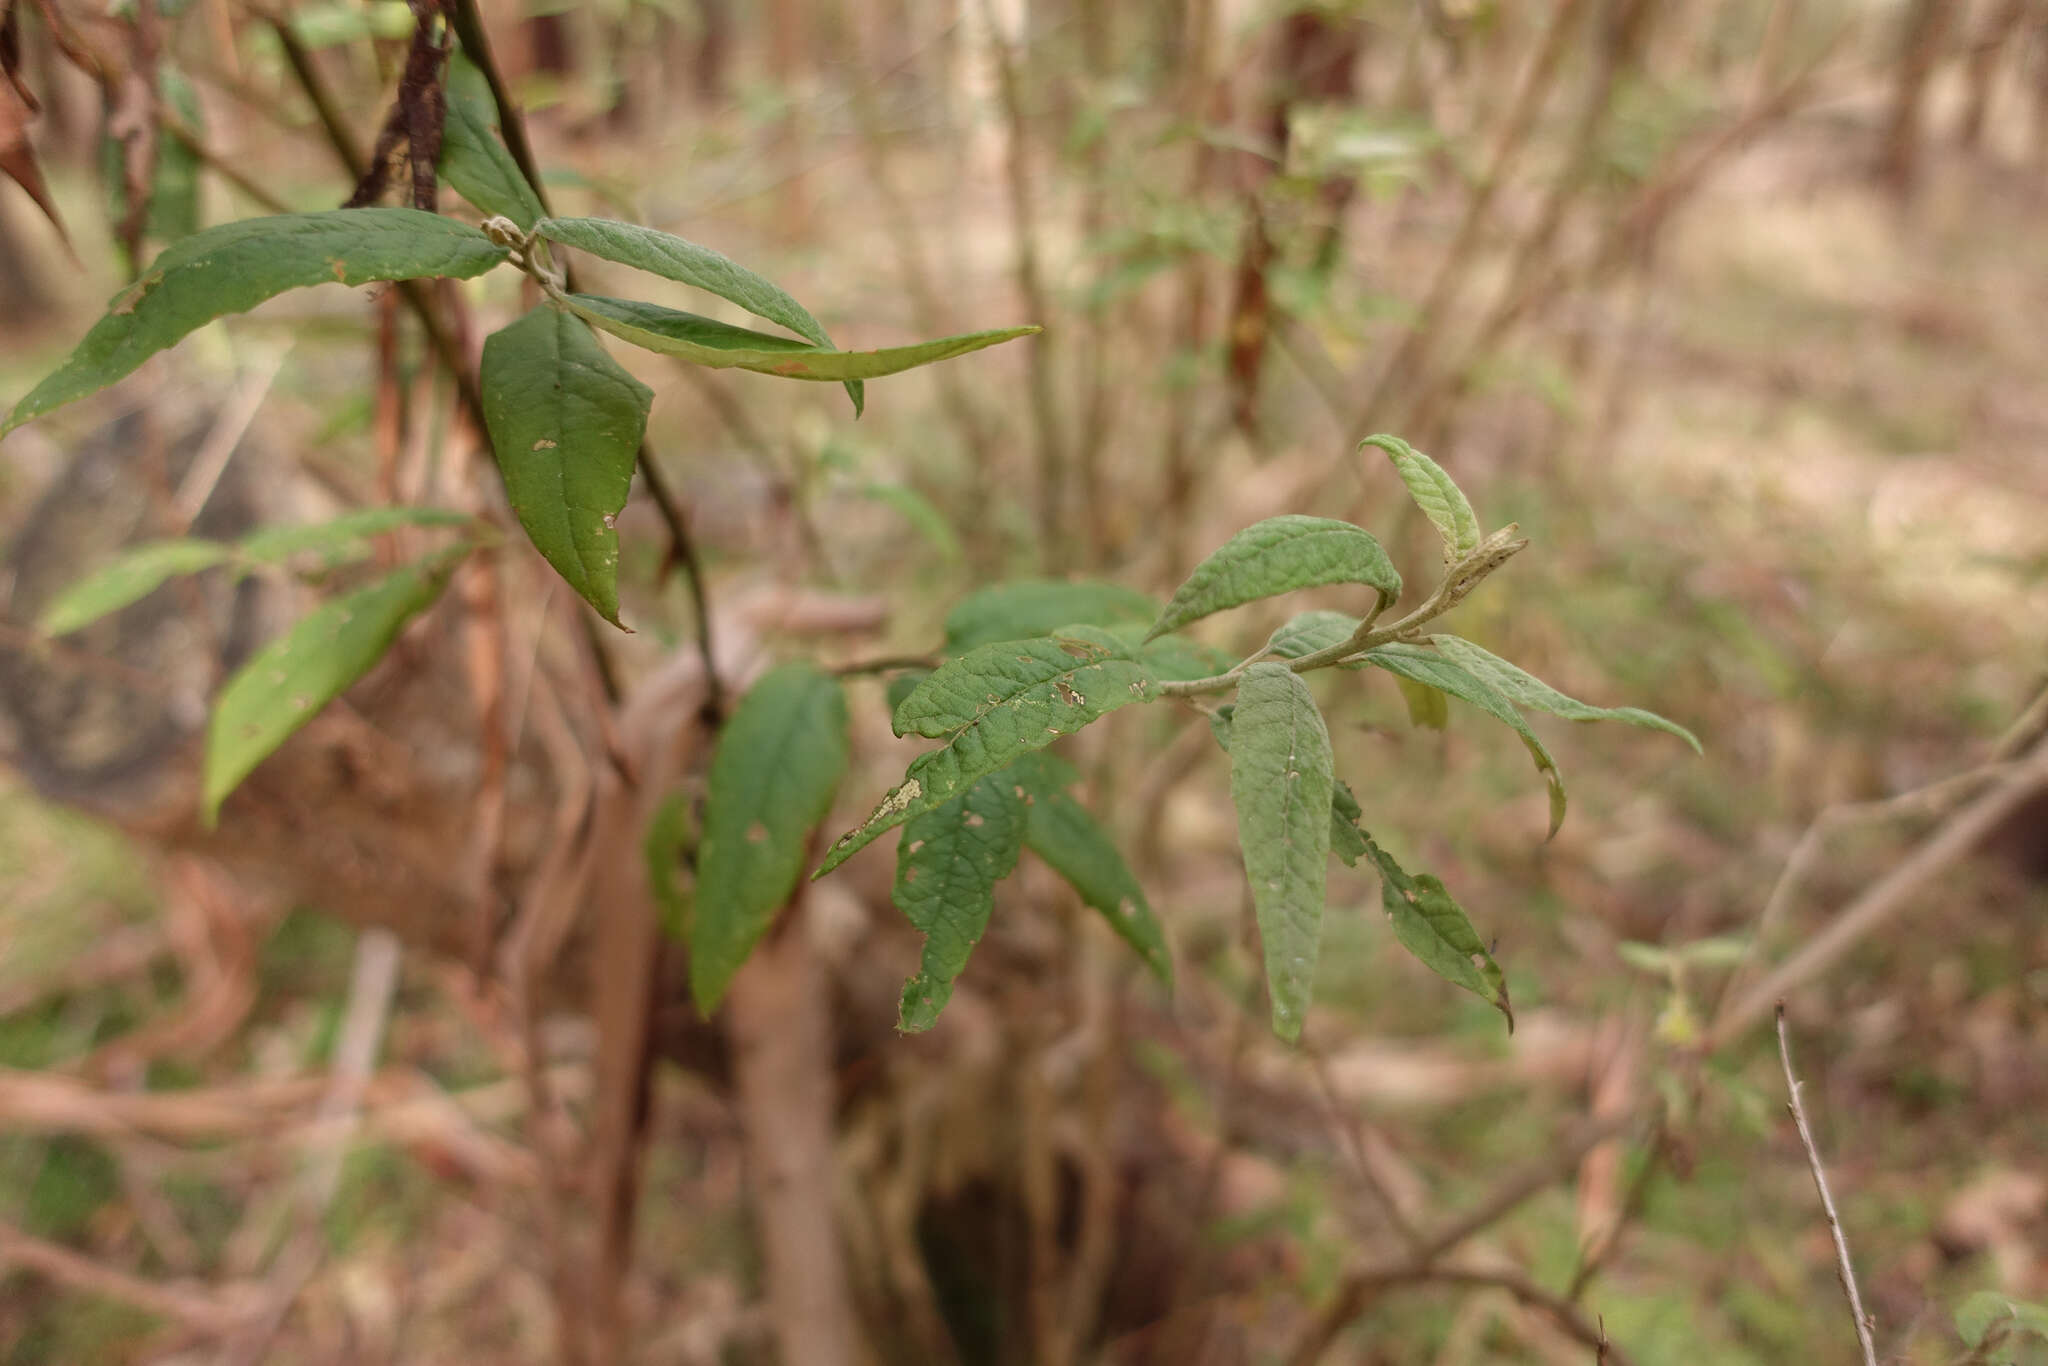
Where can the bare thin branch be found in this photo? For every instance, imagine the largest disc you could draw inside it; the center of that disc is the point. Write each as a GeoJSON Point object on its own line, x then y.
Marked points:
{"type": "Point", "coordinates": [1827, 1200]}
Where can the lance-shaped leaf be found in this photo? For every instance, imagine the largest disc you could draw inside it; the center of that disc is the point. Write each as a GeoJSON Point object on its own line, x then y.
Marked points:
{"type": "Point", "coordinates": [685, 262]}
{"type": "Point", "coordinates": [779, 762]}
{"type": "Point", "coordinates": [140, 571]}
{"type": "Point", "coordinates": [1431, 925]}
{"type": "Point", "coordinates": [721, 346]}
{"type": "Point", "coordinates": [1435, 493]}
{"type": "Point", "coordinates": [340, 539]}
{"type": "Point", "coordinates": [1024, 608]}
{"type": "Point", "coordinates": [1282, 775]}
{"type": "Point", "coordinates": [1347, 841]}
{"type": "Point", "coordinates": [1280, 555]}
{"type": "Point", "coordinates": [1525, 689]}
{"type": "Point", "coordinates": [1448, 676]}
{"type": "Point", "coordinates": [236, 266]}
{"type": "Point", "coordinates": [997, 703]}
{"type": "Point", "coordinates": [473, 160]}
{"type": "Point", "coordinates": [289, 680]}
{"type": "Point", "coordinates": [1073, 843]}
{"type": "Point", "coordinates": [565, 421]}
{"type": "Point", "coordinates": [947, 869]}
{"type": "Point", "coordinates": [1308, 632]}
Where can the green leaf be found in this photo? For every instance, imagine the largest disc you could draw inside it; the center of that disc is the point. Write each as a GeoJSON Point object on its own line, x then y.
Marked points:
{"type": "Point", "coordinates": [673, 258]}
{"type": "Point", "coordinates": [778, 764]}
{"type": "Point", "coordinates": [1986, 1310]}
{"type": "Point", "coordinates": [947, 868]}
{"type": "Point", "coordinates": [1435, 493]}
{"type": "Point", "coordinates": [174, 187]}
{"type": "Point", "coordinates": [1282, 777]}
{"type": "Point", "coordinates": [1525, 689]}
{"type": "Point", "coordinates": [1062, 832]}
{"type": "Point", "coordinates": [473, 160]}
{"type": "Point", "coordinates": [917, 510]}
{"type": "Point", "coordinates": [1023, 608]}
{"type": "Point", "coordinates": [566, 422]}
{"type": "Point", "coordinates": [340, 539]}
{"type": "Point", "coordinates": [1447, 676]}
{"type": "Point", "coordinates": [1276, 556]}
{"type": "Point", "coordinates": [1347, 841]}
{"type": "Point", "coordinates": [1431, 925]}
{"type": "Point", "coordinates": [139, 571]}
{"type": "Point", "coordinates": [288, 681]}
{"type": "Point", "coordinates": [721, 346]}
{"type": "Point", "coordinates": [236, 266]}
{"type": "Point", "coordinates": [1427, 707]}
{"type": "Point", "coordinates": [1309, 632]}
{"type": "Point", "coordinates": [999, 702]}
{"type": "Point", "coordinates": [1014, 690]}
{"type": "Point", "coordinates": [671, 834]}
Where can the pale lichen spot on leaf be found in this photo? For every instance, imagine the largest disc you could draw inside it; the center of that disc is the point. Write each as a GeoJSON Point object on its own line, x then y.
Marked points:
{"type": "Point", "coordinates": [974, 819]}
{"type": "Point", "coordinates": [756, 833]}
{"type": "Point", "coordinates": [543, 445]}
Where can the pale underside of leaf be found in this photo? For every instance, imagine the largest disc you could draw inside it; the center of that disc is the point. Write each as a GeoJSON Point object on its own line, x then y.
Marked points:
{"type": "Point", "coordinates": [1281, 782]}
{"type": "Point", "coordinates": [1525, 689]}
{"type": "Point", "coordinates": [1277, 556]}
{"type": "Point", "coordinates": [1446, 676]}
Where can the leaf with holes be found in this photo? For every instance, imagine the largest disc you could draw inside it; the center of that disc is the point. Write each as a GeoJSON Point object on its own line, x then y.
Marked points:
{"type": "Point", "coordinates": [473, 160]}
{"type": "Point", "coordinates": [1436, 493]}
{"type": "Point", "coordinates": [288, 681]}
{"type": "Point", "coordinates": [1431, 925]}
{"type": "Point", "coordinates": [1024, 608]}
{"type": "Point", "coordinates": [1282, 776]}
{"type": "Point", "coordinates": [1073, 843]}
{"type": "Point", "coordinates": [139, 571]}
{"type": "Point", "coordinates": [1525, 689]}
{"type": "Point", "coordinates": [721, 346]}
{"type": "Point", "coordinates": [778, 764]}
{"type": "Point", "coordinates": [236, 266]}
{"type": "Point", "coordinates": [1277, 556]}
{"type": "Point", "coordinates": [947, 868]}
{"type": "Point", "coordinates": [1448, 676]}
{"type": "Point", "coordinates": [995, 704]}
{"type": "Point", "coordinates": [685, 262]}
{"type": "Point", "coordinates": [565, 422]}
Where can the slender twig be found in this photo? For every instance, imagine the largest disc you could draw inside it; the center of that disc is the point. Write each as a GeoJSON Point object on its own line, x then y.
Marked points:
{"type": "Point", "coordinates": [1566, 1315]}
{"type": "Point", "coordinates": [1827, 1199]}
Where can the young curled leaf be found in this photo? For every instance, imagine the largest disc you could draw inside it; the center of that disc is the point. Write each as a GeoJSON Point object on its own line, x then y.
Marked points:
{"type": "Point", "coordinates": [1434, 491]}
{"type": "Point", "coordinates": [1277, 556]}
{"type": "Point", "coordinates": [1282, 778]}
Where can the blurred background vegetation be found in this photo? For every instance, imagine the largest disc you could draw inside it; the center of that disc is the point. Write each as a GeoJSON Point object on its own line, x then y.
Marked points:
{"type": "Point", "coordinates": [1734, 305]}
